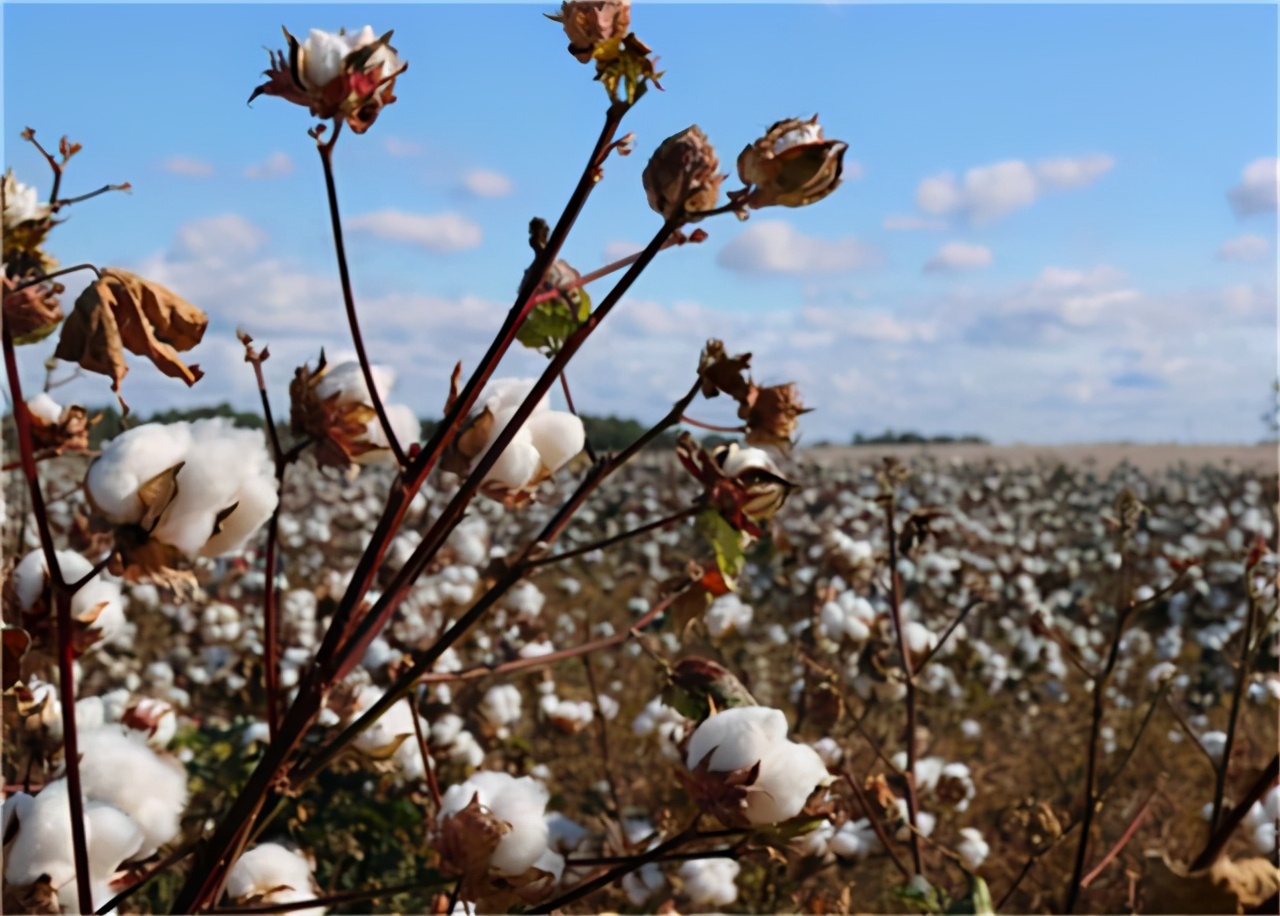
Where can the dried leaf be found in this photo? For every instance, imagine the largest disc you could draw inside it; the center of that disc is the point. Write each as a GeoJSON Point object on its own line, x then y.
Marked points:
{"type": "Point", "coordinates": [16, 643]}
{"type": "Point", "coordinates": [156, 495]}
{"type": "Point", "coordinates": [122, 311]}
{"type": "Point", "coordinates": [1226, 886]}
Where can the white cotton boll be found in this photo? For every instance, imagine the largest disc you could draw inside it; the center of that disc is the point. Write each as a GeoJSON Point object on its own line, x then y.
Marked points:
{"type": "Point", "coordinates": [557, 436]}
{"type": "Point", "coordinates": [553, 862]}
{"type": "Point", "coordinates": [537, 649]}
{"type": "Point", "coordinates": [710, 882]}
{"type": "Point", "coordinates": [346, 380]}
{"type": "Point", "coordinates": [130, 460]}
{"type": "Point", "coordinates": [404, 423]}
{"type": "Point", "coordinates": [856, 840]}
{"type": "Point", "coordinates": [829, 750]}
{"type": "Point", "coordinates": [393, 725]}
{"type": "Point", "coordinates": [29, 579]}
{"type": "Point", "coordinates": [919, 639]}
{"type": "Point", "coordinates": [275, 874]}
{"type": "Point", "coordinates": [816, 842]}
{"type": "Point", "coordinates": [738, 459]}
{"type": "Point", "coordinates": [1214, 743]}
{"type": "Point", "coordinates": [43, 845]}
{"type": "Point", "coordinates": [521, 803]}
{"type": "Point", "coordinates": [154, 793]}
{"type": "Point", "coordinates": [727, 613]}
{"type": "Point", "coordinates": [518, 463]}
{"type": "Point", "coordinates": [973, 849]}
{"type": "Point", "coordinates": [643, 883]}
{"type": "Point", "coordinates": [44, 408]}
{"type": "Point", "coordinates": [509, 393]}
{"type": "Point", "coordinates": [739, 738]}
{"type": "Point", "coordinates": [840, 620]}
{"type": "Point", "coordinates": [527, 600]}
{"type": "Point", "coordinates": [971, 729]}
{"type": "Point", "coordinates": [609, 707]}
{"type": "Point", "coordinates": [501, 705]}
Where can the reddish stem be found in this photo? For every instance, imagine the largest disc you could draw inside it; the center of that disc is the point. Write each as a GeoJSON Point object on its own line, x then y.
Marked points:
{"type": "Point", "coordinates": [66, 648]}
{"type": "Point", "coordinates": [689, 421]}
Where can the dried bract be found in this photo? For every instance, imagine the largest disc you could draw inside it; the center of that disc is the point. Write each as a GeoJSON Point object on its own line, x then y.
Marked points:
{"type": "Point", "coordinates": [771, 414]}
{"type": "Point", "coordinates": [34, 312]}
{"type": "Point", "coordinates": [791, 165]}
{"type": "Point", "coordinates": [683, 175]}
{"type": "Point", "coordinates": [589, 22]}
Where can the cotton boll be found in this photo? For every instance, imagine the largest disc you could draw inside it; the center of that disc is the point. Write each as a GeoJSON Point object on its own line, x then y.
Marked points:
{"type": "Point", "coordinates": [829, 750]}
{"type": "Point", "coordinates": [44, 408]}
{"type": "Point", "coordinates": [557, 436]}
{"type": "Point", "coordinates": [404, 423]}
{"type": "Point", "coordinates": [521, 803]}
{"type": "Point", "coordinates": [275, 874]}
{"type": "Point", "coordinates": [856, 840]}
{"type": "Point", "coordinates": [501, 705]}
{"type": "Point", "coordinates": [346, 381]}
{"type": "Point", "coordinates": [30, 579]}
{"type": "Point", "coordinates": [1215, 744]}
{"type": "Point", "coordinates": [710, 882]}
{"type": "Point", "coordinates": [641, 884]}
{"type": "Point", "coordinates": [739, 738]}
{"type": "Point", "coordinates": [973, 849]}
{"type": "Point", "coordinates": [509, 393]}
{"type": "Point", "coordinates": [518, 463]}
{"type": "Point", "coordinates": [130, 460]}
{"type": "Point", "coordinates": [727, 613]}
{"type": "Point", "coordinates": [154, 792]}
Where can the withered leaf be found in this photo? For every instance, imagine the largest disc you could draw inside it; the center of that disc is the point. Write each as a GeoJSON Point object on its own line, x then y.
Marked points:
{"type": "Point", "coordinates": [1226, 886]}
{"type": "Point", "coordinates": [16, 643]}
{"type": "Point", "coordinates": [122, 311]}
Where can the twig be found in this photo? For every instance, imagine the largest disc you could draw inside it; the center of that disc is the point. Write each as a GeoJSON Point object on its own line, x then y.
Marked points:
{"type": "Point", "coordinates": [603, 724]}
{"type": "Point", "coordinates": [881, 834]}
{"type": "Point", "coordinates": [164, 864]}
{"type": "Point", "coordinates": [427, 765]}
{"type": "Point", "coordinates": [895, 607]}
{"type": "Point", "coordinates": [348, 297]}
{"type": "Point", "coordinates": [57, 273]}
{"type": "Point", "coordinates": [568, 399]}
{"type": "Point", "coordinates": [66, 648]}
{"type": "Point", "coordinates": [559, 291]}
{"type": "Point", "coordinates": [1242, 679]}
{"type": "Point", "coordinates": [711, 427]}
{"type": "Point", "coordinates": [105, 189]}
{"type": "Point", "coordinates": [946, 634]}
{"type": "Point", "coordinates": [329, 900]}
{"type": "Point", "coordinates": [603, 544]}
{"type": "Point", "coordinates": [1125, 837]}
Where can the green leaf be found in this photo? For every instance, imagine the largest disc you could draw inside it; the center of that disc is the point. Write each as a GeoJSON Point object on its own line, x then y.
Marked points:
{"type": "Point", "coordinates": [726, 542]}
{"type": "Point", "coordinates": [977, 901]}
{"type": "Point", "coordinates": [550, 323]}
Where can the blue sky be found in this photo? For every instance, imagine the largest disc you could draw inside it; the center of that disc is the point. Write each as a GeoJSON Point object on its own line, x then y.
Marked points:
{"type": "Point", "coordinates": [1059, 222]}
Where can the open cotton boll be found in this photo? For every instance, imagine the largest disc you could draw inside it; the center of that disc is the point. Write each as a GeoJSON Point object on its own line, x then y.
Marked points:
{"type": "Point", "coordinates": [130, 460]}
{"type": "Point", "coordinates": [501, 705]}
{"type": "Point", "coordinates": [42, 843]}
{"type": "Point", "coordinates": [856, 840]}
{"type": "Point", "coordinates": [29, 579]}
{"type": "Point", "coordinates": [119, 768]}
{"type": "Point", "coordinates": [346, 380]}
{"type": "Point", "coordinates": [726, 614]}
{"type": "Point", "coordinates": [404, 423]}
{"type": "Point", "coordinates": [1214, 743]}
{"type": "Point", "coordinates": [521, 803]}
{"type": "Point", "coordinates": [519, 461]}
{"type": "Point", "coordinates": [710, 882]}
{"type": "Point", "coordinates": [44, 408]}
{"type": "Point", "coordinates": [738, 738]}
{"type": "Point", "coordinates": [557, 436]}
{"type": "Point", "coordinates": [274, 874]}
{"type": "Point", "coordinates": [973, 849]}
{"type": "Point", "coordinates": [509, 393]}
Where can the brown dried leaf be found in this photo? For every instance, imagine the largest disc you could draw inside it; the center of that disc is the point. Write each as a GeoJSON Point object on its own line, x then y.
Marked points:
{"type": "Point", "coordinates": [16, 643]}
{"type": "Point", "coordinates": [122, 310]}
{"type": "Point", "coordinates": [1226, 886]}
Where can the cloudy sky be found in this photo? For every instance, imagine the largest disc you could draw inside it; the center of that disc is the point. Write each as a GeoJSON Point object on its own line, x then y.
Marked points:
{"type": "Point", "coordinates": [1058, 223]}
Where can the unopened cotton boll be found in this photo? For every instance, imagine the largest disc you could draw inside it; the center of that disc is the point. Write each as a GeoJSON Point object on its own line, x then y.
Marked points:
{"type": "Point", "coordinates": [271, 873]}
{"type": "Point", "coordinates": [737, 739]}
{"type": "Point", "coordinates": [973, 849]}
{"type": "Point", "coordinates": [519, 802]}
{"type": "Point", "coordinates": [119, 768]}
{"type": "Point", "coordinates": [225, 489]}
{"type": "Point", "coordinates": [710, 882]}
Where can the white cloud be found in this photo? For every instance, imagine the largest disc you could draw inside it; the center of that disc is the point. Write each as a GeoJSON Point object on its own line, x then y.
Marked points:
{"type": "Point", "coordinates": [772, 246]}
{"type": "Point", "coordinates": [1244, 248]}
{"type": "Point", "coordinates": [1066, 174]}
{"type": "Point", "coordinates": [1256, 192]}
{"type": "Point", "coordinates": [958, 256]}
{"type": "Point", "coordinates": [219, 237]}
{"type": "Point", "coordinates": [485, 183]}
{"type": "Point", "coordinates": [277, 165]}
{"type": "Point", "coordinates": [1083, 311]}
{"type": "Point", "coordinates": [401, 148]}
{"type": "Point", "coordinates": [617, 250]}
{"type": "Point", "coordinates": [901, 223]}
{"type": "Point", "coordinates": [988, 192]}
{"type": "Point", "coordinates": [440, 232]}
{"type": "Point", "coordinates": [185, 165]}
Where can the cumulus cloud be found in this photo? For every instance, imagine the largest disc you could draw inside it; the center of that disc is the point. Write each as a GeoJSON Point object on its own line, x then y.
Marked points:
{"type": "Point", "coordinates": [440, 232]}
{"type": "Point", "coordinates": [485, 183]}
{"type": "Point", "coordinates": [219, 237]}
{"type": "Point", "coordinates": [187, 166]}
{"type": "Point", "coordinates": [1256, 192]}
{"type": "Point", "coordinates": [955, 256]}
{"type": "Point", "coordinates": [905, 223]}
{"type": "Point", "coordinates": [1244, 248]}
{"type": "Point", "coordinates": [277, 165]}
{"type": "Point", "coordinates": [989, 192]}
{"type": "Point", "coordinates": [772, 246]}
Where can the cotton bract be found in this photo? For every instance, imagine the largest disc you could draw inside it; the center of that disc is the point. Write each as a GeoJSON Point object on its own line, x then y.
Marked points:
{"type": "Point", "coordinates": [520, 803]}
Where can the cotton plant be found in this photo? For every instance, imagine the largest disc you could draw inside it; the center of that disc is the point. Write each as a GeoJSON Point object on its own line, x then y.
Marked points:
{"type": "Point", "coordinates": [180, 491]}
{"type": "Point", "coordinates": [272, 873]}
{"type": "Point", "coordinates": [744, 769]}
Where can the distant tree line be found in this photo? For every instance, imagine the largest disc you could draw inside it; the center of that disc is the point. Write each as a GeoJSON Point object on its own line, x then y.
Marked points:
{"type": "Point", "coordinates": [889, 437]}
